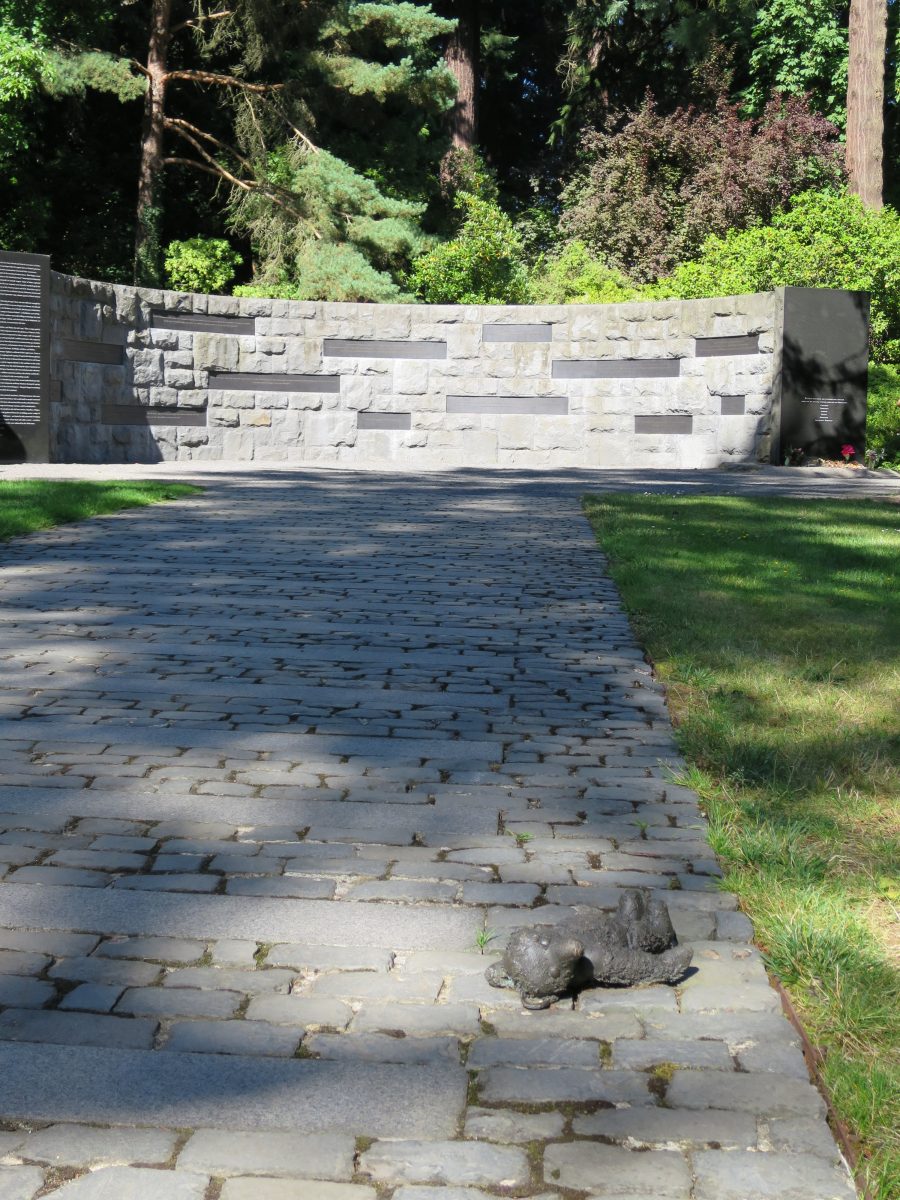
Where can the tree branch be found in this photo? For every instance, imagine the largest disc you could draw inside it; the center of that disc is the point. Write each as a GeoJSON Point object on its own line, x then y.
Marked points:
{"type": "Point", "coordinates": [195, 22]}
{"type": "Point", "coordinates": [182, 127]}
{"type": "Point", "coordinates": [224, 81]}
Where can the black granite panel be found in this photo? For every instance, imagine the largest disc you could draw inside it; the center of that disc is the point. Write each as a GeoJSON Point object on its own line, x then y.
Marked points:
{"type": "Point", "coordinates": [616, 368]}
{"type": "Point", "coordinates": [24, 357]}
{"type": "Point", "coordinates": [670, 423]}
{"type": "Point", "coordinates": [381, 348]}
{"type": "Point", "coordinates": [714, 347]}
{"type": "Point", "coordinates": [732, 406]}
{"type": "Point", "coordinates": [104, 353]}
{"type": "Point", "coordinates": [384, 420]}
{"type": "Point", "coordinates": [551, 406]}
{"type": "Point", "coordinates": [824, 372]}
{"type": "Point", "coordinates": [203, 323]}
{"type": "Point", "coordinates": [516, 333]}
{"type": "Point", "coordinates": [258, 381]}
{"type": "Point", "coordinates": [140, 414]}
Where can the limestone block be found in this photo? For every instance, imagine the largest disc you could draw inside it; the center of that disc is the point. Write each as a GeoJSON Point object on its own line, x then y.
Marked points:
{"type": "Point", "coordinates": [227, 417]}
{"type": "Point", "coordinates": [163, 397]}
{"type": "Point", "coordinates": [256, 417]}
{"type": "Point", "coordinates": [272, 400]}
{"type": "Point", "coordinates": [330, 429]}
{"type": "Point", "coordinates": [214, 351]}
{"type": "Point", "coordinates": [147, 367]}
{"type": "Point", "coordinates": [357, 392]}
{"type": "Point", "coordinates": [307, 400]}
{"type": "Point", "coordinates": [557, 433]}
{"type": "Point", "coordinates": [393, 320]}
{"type": "Point", "coordinates": [411, 378]}
{"type": "Point", "coordinates": [464, 341]}
{"type": "Point", "coordinates": [270, 346]}
{"type": "Point", "coordinates": [303, 356]}
{"type": "Point", "coordinates": [515, 433]}
{"type": "Point", "coordinates": [177, 378]}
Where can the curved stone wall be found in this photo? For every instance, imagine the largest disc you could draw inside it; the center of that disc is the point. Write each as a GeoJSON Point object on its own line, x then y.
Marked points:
{"type": "Point", "coordinates": [145, 376]}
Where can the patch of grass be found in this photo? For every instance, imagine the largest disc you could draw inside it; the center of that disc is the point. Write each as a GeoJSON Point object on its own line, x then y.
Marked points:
{"type": "Point", "coordinates": [775, 625]}
{"type": "Point", "coordinates": [29, 505]}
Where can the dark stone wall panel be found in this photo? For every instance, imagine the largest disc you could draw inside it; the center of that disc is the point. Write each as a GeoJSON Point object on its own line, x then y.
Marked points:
{"type": "Point", "coordinates": [381, 348]}
{"type": "Point", "coordinates": [384, 420]}
{"type": "Point", "coordinates": [516, 333]}
{"type": "Point", "coordinates": [258, 381]}
{"type": "Point", "coordinates": [714, 347]}
{"type": "Point", "coordinates": [104, 353]}
{"type": "Point", "coordinates": [203, 323]}
{"type": "Point", "coordinates": [550, 406]}
{"type": "Point", "coordinates": [139, 414]}
{"type": "Point", "coordinates": [616, 368]}
{"type": "Point", "coordinates": [669, 423]}
{"type": "Point", "coordinates": [732, 406]}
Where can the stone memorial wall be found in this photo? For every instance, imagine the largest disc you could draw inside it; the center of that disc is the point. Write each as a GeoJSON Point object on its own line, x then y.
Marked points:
{"type": "Point", "coordinates": [145, 376]}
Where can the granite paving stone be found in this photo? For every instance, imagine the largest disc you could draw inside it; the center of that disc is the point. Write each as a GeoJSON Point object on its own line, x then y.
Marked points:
{"type": "Point", "coordinates": [278, 762]}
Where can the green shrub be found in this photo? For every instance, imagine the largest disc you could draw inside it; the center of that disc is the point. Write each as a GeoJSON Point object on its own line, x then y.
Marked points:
{"type": "Point", "coordinates": [826, 239]}
{"type": "Point", "coordinates": [482, 265]}
{"type": "Point", "coordinates": [883, 417]}
{"type": "Point", "coordinates": [574, 277]}
{"type": "Point", "coordinates": [331, 271]}
{"type": "Point", "coordinates": [200, 265]}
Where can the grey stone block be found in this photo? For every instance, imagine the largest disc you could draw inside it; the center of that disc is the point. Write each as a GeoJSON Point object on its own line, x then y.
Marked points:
{"type": "Point", "coordinates": [177, 1002]}
{"type": "Point", "coordinates": [739, 1175]}
{"type": "Point", "coordinates": [379, 1047]}
{"type": "Point", "coordinates": [610, 1171]}
{"type": "Point", "coordinates": [300, 1011]}
{"type": "Point", "coordinates": [231, 1152]}
{"type": "Point", "coordinates": [134, 1183]}
{"type": "Point", "coordinates": [574, 1084]}
{"type": "Point", "coordinates": [415, 1020]}
{"type": "Point", "coordinates": [296, 886]}
{"type": "Point", "coordinates": [650, 1052]}
{"type": "Point", "coordinates": [445, 1162]}
{"type": "Point", "coordinates": [73, 1083]}
{"type": "Point", "coordinates": [122, 972]}
{"type": "Point", "coordinates": [92, 997]}
{"type": "Point", "coordinates": [797, 1135]}
{"type": "Point", "coordinates": [19, 992]}
{"type": "Point", "coordinates": [507, 1125]}
{"type": "Point", "coordinates": [542, 1052]}
{"type": "Point", "coordinates": [168, 883]}
{"type": "Point", "coordinates": [61, 877]}
{"type": "Point", "coordinates": [74, 1029]}
{"type": "Point", "coordinates": [231, 980]}
{"type": "Point", "coordinates": [161, 950]}
{"type": "Point", "coordinates": [49, 942]}
{"type": "Point", "coordinates": [90, 1146]}
{"type": "Point", "coordinates": [233, 1037]}
{"type": "Point", "coordinates": [767, 1095]}
{"type": "Point", "coordinates": [647, 1127]}
{"type": "Point", "coordinates": [293, 1189]}
{"type": "Point", "coordinates": [20, 1183]}
{"type": "Point", "coordinates": [19, 962]}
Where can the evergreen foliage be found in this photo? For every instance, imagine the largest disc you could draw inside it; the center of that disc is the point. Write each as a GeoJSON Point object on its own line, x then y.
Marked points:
{"type": "Point", "coordinates": [825, 239]}
{"type": "Point", "coordinates": [573, 276]}
{"type": "Point", "coordinates": [200, 265]}
{"type": "Point", "coordinates": [483, 264]}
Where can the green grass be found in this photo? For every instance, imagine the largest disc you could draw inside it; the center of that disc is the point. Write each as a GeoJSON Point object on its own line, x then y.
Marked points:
{"type": "Point", "coordinates": [775, 625]}
{"type": "Point", "coordinates": [32, 504]}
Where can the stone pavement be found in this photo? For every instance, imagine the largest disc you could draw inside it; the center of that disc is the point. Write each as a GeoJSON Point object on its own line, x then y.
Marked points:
{"type": "Point", "coordinates": [282, 766]}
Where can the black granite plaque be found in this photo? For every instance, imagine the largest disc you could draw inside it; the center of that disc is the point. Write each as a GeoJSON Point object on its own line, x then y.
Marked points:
{"type": "Point", "coordinates": [535, 406]}
{"type": "Point", "coordinates": [140, 414]}
{"type": "Point", "coordinates": [384, 420]}
{"type": "Point", "coordinates": [716, 347]}
{"type": "Point", "coordinates": [106, 354]}
{"type": "Point", "coordinates": [203, 323]}
{"type": "Point", "coordinates": [669, 423]}
{"type": "Point", "coordinates": [516, 333]}
{"type": "Point", "coordinates": [258, 381]}
{"type": "Point", "coordinates": [616, 368]}
{"type": "Point", "coordinates": [24, 357]}
{"type": "Point", "coordinates": [732, 406]}
{"type": "Point", "coordinates": [824, 372]}
{"type": "Point", "coordinates": [381, 348]}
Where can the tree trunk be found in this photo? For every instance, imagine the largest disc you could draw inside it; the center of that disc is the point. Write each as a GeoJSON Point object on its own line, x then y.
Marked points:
{"type": "Point", "coordinates": [865, 99]}
{"type": "Point", "coordinates": [147, 248]}
{"type": "Point", "coordinates": [461, 57]}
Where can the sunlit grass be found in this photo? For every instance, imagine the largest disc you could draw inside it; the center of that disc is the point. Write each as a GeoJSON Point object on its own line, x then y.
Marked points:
{"type": "Point", "coordinates": [775, 625]}
{"type": "Point", "coordinates": [32, 504]}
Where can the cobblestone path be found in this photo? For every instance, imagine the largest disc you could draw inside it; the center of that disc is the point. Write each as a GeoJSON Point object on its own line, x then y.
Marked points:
{"type": "Point", "coordinates": [273, 758]}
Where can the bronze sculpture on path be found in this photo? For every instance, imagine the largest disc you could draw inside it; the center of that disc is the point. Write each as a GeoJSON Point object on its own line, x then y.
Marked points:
{"type": "Point", "coordinates": [635, 944]}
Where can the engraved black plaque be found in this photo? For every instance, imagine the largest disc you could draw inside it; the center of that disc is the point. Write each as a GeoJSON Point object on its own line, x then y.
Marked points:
{"type": "Point", "coordinates": [824, 372]}
{"type": "Point", "coordinates": [678, 423]}
{"type": "Point", "coordinates": [24, 357]}
{"type": "Point", "coordinates": [714, 347]}
{"type": "Point", "coordinates": [616, 368]}
{"type": "Point", "coordinates": [553, 406]}
{"type": "Point", "coordinates": [203, 323]}
{"type": "Point", "coordinates": [384, 420]}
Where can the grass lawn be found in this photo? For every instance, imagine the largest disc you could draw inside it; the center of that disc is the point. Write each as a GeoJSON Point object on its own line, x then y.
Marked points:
{"type": "Point", "coordinates": [775, 625]}
{"type": "Point", "coordinates": [31, 504]}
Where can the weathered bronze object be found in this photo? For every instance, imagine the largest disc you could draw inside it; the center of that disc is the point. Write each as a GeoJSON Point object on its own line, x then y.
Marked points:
{"type": "Point", "coordinates": [635, 944]}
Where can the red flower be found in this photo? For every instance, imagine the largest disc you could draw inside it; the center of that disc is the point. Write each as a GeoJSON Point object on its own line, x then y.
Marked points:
{"type": "Point", "coordinates": [847, 452]}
